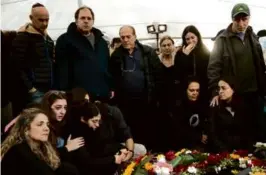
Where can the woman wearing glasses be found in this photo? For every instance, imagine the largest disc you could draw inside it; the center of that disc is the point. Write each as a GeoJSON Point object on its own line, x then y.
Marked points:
{"type": "Point", "coordinates": [232, 124]}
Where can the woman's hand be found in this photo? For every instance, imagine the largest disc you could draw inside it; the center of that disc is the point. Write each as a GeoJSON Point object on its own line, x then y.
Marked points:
{"type": "Point", "coordinates": [74, 144]}
{"type": "Point", "coordinates": [188, 49]}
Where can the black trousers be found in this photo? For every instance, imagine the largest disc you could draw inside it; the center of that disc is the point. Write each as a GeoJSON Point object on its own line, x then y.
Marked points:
{"type": "Point", "coordinates": [255, 103]}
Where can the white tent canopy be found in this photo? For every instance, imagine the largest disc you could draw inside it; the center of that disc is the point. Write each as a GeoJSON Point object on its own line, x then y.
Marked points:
{"type": "Point", "coordinates": [209, 16]}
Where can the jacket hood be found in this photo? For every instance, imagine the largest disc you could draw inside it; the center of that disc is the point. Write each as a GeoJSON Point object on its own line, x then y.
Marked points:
{"type": "Point", "coordinates": [30, 29]}
{"type": "Point", "coordinates": [228, 32]}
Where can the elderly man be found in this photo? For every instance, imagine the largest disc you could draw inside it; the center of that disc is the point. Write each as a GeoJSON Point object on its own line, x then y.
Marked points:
{"type": "Point", "coordinates": [32, 53]}
{"type": "Point", "coordinates": [132, 68]}
{"type": "Point", "coordinates": [237, 53]}
{"type": "Point", "coordinates": [82, 57]}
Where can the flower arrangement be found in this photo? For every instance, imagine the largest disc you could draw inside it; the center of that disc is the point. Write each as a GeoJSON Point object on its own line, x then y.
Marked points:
{"type": "Point", "coordinates": [193, 162]}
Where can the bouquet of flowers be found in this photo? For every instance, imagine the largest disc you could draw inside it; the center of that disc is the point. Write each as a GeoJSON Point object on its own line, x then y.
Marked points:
{"type": "Point", "coordinates": [187, 162]}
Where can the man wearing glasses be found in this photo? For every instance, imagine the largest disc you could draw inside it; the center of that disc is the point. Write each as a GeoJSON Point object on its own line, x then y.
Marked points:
{"type": "Point", "coordinates": [237, 53]}
{"type": "Point", "coordinates": [131, 66]}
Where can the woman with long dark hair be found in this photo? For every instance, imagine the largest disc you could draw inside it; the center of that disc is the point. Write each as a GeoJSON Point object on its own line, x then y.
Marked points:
{"type": "Point", "coordinates": [192, 60]}
{"type": "Point", "coordinates": [232, 123]}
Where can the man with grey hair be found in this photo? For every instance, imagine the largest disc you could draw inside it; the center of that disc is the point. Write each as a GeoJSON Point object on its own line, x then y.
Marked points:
{"type": "Point", "coordinates": [132, 67]}
{"type": "Point", "coordinates": [237, 53]}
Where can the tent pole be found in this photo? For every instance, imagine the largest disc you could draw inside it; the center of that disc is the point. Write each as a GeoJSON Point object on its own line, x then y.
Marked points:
{"type": "Point", "coordinates": [80, 3]}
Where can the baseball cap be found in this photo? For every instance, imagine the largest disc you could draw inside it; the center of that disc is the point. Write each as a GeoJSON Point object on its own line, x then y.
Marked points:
{"type": "Point", "coordinates": [240, 8]}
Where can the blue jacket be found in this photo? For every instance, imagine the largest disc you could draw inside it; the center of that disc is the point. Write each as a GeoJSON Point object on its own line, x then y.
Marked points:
{"type": "Point", "coordinates": [79, 65]}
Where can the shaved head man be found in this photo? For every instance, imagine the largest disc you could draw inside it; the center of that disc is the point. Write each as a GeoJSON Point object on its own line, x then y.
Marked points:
{"type": "Point", "coordinates": [39, 17]}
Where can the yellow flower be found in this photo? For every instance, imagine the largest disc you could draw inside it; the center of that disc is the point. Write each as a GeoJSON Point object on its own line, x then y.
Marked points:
{"type": "Point", "coordinates": [234, 156]}
{"type": "Point", "coordinates": [180, 152]}
{"type": "Point", "coordinates": [234, 171]}
{"type": "Point", "coordinates": [258, 173]}
{"type": "Point", "coordinates": [148, 166]}
{"type": "Point", "coordinates": [160, 156]}
{"type": "Point", "coordinates": [129, 169]}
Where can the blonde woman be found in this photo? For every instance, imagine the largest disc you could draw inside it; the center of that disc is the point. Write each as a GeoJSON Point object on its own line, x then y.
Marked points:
{"type": "Point", "coordinates": [26, 150]}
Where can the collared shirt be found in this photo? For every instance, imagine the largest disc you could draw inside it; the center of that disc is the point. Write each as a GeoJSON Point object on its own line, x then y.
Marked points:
{"type": "Point", "coordinates": [133, 74]}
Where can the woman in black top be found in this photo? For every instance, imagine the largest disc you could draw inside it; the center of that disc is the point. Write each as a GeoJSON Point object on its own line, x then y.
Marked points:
{"type": "Point", "coordinates": [27, 150]}
{"type": "Point", "coordinates": [190, 118]}
{"type": "Point", "coordinates": [103, 134]}
{"type": "Point", "coordinates": [232, 123]}
{"type": "Point", "coordinates": [192, 60]}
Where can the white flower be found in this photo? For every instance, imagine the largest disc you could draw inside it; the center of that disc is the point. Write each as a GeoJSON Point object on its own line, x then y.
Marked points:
{"type": "Point", "coordinates": [165, 171]}
{"type": "Point", "coordinates": [258, 144]}
{"type": "Point", "coordinates": [188, 152]}
{"type": "Point", "coordinates": [242, 163]}
{"type": "Point", "coordinates": [218, 169]}
{"type": "Point", "coordinates": [162, 159]}
{"type": "Point", "coordinates": [264, 145]}
{"type": "Point", "coordinates": [192, 170]}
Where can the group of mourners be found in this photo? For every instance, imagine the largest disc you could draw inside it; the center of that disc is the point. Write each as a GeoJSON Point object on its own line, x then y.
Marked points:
{"type": "Point", "coordinates": [90, 110]}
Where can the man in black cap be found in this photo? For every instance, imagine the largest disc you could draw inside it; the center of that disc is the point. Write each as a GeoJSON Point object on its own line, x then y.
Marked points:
{"type": "Point", "coordinates": [237, 53]}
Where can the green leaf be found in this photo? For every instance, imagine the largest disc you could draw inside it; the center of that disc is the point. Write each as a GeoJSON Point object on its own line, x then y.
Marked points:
{"type": "Point", "coordinates": [187, 159]}
{"type": "Point", "coordinates": [175, 161]}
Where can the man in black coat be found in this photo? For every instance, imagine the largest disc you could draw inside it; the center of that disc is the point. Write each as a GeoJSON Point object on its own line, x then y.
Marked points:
{"type": "Point", "coordinates": [82, 57]}
{"type": "Point", "coordinates": [32, 53]}
{"type": "Point", "coordinates": [132, 69]}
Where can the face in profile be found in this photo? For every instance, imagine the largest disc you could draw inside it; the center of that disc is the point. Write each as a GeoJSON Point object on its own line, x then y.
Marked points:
{"type": "Point", "coordinates": [85, 21]}
{"type": "Point", "coordinates": [94, 122]}
{"type": "Point", "coordinates": [167, 47]}
{"type": "Point", "coordinates": [193, 91]}
{"type": "Point", "coordinates": [39, 128]}
{"type": "Point", "coordinates": [225, 91]}
{"type": "Point", "coordinates": [128, 38]}
{"type": "Point", "coordinates": [191, 38]}
{"type": "Point", "coordinates": [59, 108]}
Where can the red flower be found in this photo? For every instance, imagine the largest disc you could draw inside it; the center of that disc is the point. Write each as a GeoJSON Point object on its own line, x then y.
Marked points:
{"type": "Point", "coordinates": [224, 155]}
{"type": "Point", "coordinates": [170, 155]}
{"type": "Point", "coordinates": [214, 159]}
{"type": "Point", "coordinates": [259, 163]}
{"type": "Point", "coordinates": [202, 164]}
{"type": "Point", "coordinates": [151, 172]}
{"type": "Point", "coordinates": [180, 168]}
{"type": "Point", "coordinates": [138, 160]}
{"type": "Point", "coordinates": [241, 153]}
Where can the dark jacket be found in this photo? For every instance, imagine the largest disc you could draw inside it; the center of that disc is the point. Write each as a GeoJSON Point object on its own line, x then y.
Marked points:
{"type": "Point", "coordinates": [21, 160]}
{"type": "Point", "coordinates": [32, 54]}
{"type": "Point", "coordinates": [147, 64]}
{"type": "Point", "coordinates": [6, 66]}
{"type": "Point", "coordinates": [97, 156]}
{"type": "Point", "coordinates": [79, 65]}
{"type": "Point", "coordinates": [230, 132]}
{"type": "Point", "coordinates": [223, 62]}
{"type": "Point", "coordinates": [190, 119]}
{"type": "Point", "coordinates": [193, 65]}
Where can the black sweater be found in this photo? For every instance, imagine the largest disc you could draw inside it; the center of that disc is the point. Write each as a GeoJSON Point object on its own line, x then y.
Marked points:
{"type": "Point", "coordinates": [21, 160]}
